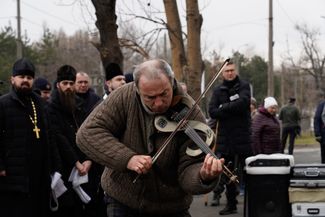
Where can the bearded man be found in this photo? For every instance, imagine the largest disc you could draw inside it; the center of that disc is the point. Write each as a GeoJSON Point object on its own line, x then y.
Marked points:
{"type": "Point", "coordinates": [67, 113]}
{"type": "Point", "coordinates": [24, 147]}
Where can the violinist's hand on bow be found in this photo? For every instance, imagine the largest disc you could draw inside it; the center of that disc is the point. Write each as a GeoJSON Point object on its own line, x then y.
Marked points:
{"type": "Point", "coordinates": [140, 163]}
{"type": "Point", "coordinates": [211, 168]}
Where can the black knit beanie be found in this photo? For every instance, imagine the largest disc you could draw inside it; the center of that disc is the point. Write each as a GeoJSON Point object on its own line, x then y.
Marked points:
{"type": "Point", "coordinates": [23, 66]}
{"type": "Point", "coordinates": [66, 72]}
{"type": "Point", "coordinates": [112, 70]}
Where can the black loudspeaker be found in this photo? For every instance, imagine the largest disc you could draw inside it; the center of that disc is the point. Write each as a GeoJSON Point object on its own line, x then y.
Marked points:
{"type": "Point", "coordinates": [267, 196]}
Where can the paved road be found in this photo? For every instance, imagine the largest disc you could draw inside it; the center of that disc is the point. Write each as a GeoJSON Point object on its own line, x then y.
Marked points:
{"type": "Point", "coordinates": [302, 154]}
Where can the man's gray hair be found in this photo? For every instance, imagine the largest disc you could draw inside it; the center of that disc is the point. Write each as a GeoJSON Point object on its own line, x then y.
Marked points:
{"type": "Point", "coordinates": [152, 69]}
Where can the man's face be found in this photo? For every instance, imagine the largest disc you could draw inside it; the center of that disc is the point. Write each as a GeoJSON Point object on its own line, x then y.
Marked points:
{"type": "Point", "coordinates": [229, 73]}
{"type": "Point", "coordinates": [82, 83]}
{"type": "Point", "coordinates": [45, 94]}
{"type": "Point", "coordinates": [156, 94]}
{"type": "Point", "coordinates": [22, 83]}
{"type": "Point", "coordinates": [66, 86]}
{"type": "Point", "coordinates": [116, 82]}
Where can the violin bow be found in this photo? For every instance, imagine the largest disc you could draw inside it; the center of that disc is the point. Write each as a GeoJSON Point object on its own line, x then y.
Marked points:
{"type": "Point", "coordinates": [183, 122]}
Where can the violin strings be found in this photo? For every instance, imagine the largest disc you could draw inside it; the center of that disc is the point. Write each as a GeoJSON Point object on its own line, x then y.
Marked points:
{"type": "Point", "coordinates": [200, 142]}
{"type": "Point", "coordinates": [202, 145]}
{"type": "Point", "coordinates": [195, 137]}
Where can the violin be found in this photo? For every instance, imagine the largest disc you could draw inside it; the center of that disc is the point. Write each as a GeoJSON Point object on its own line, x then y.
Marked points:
{"type": "Point", "coordinates": [168, 123]}
{"type": "Point", "coordinates": [163, 124]}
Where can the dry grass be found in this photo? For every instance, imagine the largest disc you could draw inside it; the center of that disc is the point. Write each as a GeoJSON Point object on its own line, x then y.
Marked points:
{"type": "Point", "coordinates": [306, 138]}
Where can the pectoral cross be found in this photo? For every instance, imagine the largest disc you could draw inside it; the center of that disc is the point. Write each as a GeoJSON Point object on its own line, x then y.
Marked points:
{"type": "Point", "coordinates": [36, 130]}
{"type": "Point", "coordinates": [34, 120]}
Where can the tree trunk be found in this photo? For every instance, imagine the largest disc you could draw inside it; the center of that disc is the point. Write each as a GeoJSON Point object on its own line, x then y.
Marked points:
{"type": "Point", "coordinates": [175, 37]}
{"type": "Point", "coordinates": [194, 23]}
{"type": "Point", "coordinates": [109, 47]}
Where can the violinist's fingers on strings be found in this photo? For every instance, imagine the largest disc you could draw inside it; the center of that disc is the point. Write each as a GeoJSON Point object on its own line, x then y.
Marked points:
{"type": "Point", "coordinates": [211, 168]}
{"type": "Point", "coordinates": [216, 166]}
{"type": "Point", "coordinates": [208, 161]}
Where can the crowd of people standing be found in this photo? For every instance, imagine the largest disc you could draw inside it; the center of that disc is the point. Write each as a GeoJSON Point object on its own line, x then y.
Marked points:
{"type": "Point", "coordinates": [38, 125]}
{"type": "Point", "coordinates": [244, 129]}
{"type": "Point", "coordinates": [65, 151]}
{"type": "Point", "coordinates": [56, 147]}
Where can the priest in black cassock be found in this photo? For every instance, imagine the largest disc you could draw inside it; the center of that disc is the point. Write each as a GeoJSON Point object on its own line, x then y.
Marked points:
{"type": "Point", "coordinates": [24, 148]}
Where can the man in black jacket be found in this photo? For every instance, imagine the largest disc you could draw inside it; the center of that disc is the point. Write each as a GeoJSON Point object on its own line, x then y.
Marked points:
{"type": "Point", "coordinates": [85, 92]}
{"type": "Point", "coordinates": [24, 148]}
{"type": "Point", "coordinates": [230, 106]}
{"type": "Point", "coordinates": [67, 112]}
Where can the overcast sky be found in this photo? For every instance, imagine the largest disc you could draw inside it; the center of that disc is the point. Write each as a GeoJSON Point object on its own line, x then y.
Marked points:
{"type": "Point", "coordinates": [228, 25]}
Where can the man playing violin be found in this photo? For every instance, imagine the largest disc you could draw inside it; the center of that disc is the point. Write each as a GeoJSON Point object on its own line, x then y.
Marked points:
{"type": "Point", "coordinates": [121, 135]}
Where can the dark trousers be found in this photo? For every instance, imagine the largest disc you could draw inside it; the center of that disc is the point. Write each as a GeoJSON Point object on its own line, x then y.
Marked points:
{"type": "Point", "coordinates": [235, 161]}
{"type": "Point", "coordinates": [117, 209]}
{"type": "Point", "coordinates": [292, 133]}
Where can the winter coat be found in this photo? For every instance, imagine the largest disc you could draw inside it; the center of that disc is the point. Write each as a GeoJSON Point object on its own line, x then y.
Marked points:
{"type": "Point", "coordinates": [230, 105]}
{"type": "Point", "coordinates": [265, 133]}
{"type": "Point", "coordinates": [120, 128]}
{"type": "Point", "coordinates": [290, 116]}
{"type": "Point", "coordinates": [65, 125]}
{"type": "Point", "coordinates": [319, 125]}
{"type": "Point", "coordinates": [90, 100]}
{"type": "Point", "coordinates": [25, 158]}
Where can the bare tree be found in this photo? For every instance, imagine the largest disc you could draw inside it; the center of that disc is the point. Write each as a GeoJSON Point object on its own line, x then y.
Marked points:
{"type": "Point", "coordinates": [56, 49]}
{"type": "Point", "coordinates": [175, 36]}
{"type": "Point", "coordinates": [190, 68]}
{"type": "Point", "coordinates": [303, 77]}
{"type": "Point", "coordinates": [312, 61]}
{"type": "Point", "coordinates": [108, 47]}
{"type": "Point", "coordinates": [132, 45]}
{"type": "Point", "coordinates": [194, 23]}
{"type": "Point", "coordinates": [110, 50]}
